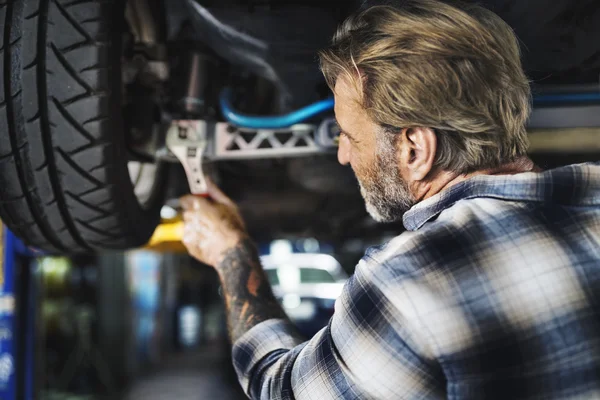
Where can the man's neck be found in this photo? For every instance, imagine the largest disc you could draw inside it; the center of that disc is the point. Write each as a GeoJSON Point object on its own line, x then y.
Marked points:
{"type": "Point", "coordinates": [445, 180]}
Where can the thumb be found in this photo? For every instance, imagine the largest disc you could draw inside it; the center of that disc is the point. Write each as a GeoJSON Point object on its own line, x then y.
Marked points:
{"type": "Point", "coordinates": [190, 202]}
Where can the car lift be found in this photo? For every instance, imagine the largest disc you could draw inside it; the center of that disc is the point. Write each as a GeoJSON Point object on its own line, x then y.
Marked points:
{"type": "Point", "coordinates": [18, 318]}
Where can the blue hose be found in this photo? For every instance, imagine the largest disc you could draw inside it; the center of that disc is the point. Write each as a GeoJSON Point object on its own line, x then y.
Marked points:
{"type": "Point", "coordinates": [270, 122]}
{"type": "Point", "coordinates": [301, 115]}
{"type": "Point", "coordinates": [570, 98]}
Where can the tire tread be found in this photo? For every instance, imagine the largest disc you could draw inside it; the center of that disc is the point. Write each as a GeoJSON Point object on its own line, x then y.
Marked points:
{"type": "Point", "coordinates": [57, 149]}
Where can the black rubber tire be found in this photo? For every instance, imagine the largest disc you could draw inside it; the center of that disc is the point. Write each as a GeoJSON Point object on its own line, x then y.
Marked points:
{"type": "Point", "coordinates": [64, 184]}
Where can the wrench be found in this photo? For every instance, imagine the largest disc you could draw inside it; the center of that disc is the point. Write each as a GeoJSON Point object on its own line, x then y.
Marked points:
{"type": "Point", "coordinates": [186, 139]}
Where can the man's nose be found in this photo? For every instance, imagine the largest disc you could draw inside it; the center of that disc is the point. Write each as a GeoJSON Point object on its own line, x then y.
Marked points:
{"type": "Point", "coordinates": [344, 151]}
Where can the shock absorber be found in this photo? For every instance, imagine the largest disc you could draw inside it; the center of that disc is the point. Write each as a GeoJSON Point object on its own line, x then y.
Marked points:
{"type": "Point", "coordinates": [197, 76]}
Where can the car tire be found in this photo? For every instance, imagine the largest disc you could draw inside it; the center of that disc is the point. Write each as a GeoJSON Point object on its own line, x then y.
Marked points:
{"type": "Point", "coordinates": [64, 181]}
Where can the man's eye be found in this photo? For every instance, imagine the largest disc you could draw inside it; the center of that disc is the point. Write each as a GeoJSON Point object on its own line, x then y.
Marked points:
{"type": "Point", "coordinates": [336, 133]}
{"type": "Point", "coordinates": [337, 137]}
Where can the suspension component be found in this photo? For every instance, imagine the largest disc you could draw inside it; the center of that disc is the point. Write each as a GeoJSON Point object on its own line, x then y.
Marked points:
{"type": "Point", "coordinates": [195, 96]}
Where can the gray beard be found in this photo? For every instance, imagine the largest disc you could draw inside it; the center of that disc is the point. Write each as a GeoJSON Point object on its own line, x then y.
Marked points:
{"type": "Point", "coordinates": [387, 196]}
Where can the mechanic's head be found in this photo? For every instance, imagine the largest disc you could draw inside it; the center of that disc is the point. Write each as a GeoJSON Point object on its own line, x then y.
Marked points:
{"type": "Point", "coordinates": [423, 90]}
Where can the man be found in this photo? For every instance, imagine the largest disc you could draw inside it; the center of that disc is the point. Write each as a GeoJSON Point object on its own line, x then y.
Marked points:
{"type": "Point", "coordinates": [494, 289]}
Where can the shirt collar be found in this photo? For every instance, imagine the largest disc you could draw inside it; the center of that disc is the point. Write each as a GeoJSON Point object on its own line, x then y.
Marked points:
{"type": "Point", "coordinates": [571, 185]}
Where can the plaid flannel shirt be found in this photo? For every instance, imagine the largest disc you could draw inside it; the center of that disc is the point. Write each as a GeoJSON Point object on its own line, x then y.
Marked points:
{"type": "Point", "coordinates": [492, 292]}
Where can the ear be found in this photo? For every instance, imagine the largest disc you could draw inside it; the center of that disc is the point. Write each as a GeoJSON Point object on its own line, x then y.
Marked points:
{"type": "Point", "coordinates": [419, 155]}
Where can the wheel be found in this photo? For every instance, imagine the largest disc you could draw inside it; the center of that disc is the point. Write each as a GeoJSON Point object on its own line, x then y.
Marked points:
{"type": "Point", "coordinates": [65, 186]}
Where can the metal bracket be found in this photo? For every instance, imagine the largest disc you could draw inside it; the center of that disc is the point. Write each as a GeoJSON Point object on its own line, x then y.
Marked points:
{"type": "Point", "coordinates": [187, 140]}
{"type": "Point", "coordinates": [233, 142]}
{"type": "Point", "coordinates": [223, 141]}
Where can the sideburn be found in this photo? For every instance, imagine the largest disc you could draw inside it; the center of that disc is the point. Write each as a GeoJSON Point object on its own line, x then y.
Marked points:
{"type": "Point", "coordinates": [387, 195]}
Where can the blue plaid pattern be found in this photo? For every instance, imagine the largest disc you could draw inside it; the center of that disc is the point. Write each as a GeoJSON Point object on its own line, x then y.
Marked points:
{"type": "Point", "coordinates": [493, 292]}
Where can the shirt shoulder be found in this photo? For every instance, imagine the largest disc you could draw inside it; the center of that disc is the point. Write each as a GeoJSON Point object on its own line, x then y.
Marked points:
{"type": "Point", "coordinates": [481, 257]}
{"type": "Point", "coordinates": [469, 222]}
{"type": "Point", "coordinates": [425, 273]}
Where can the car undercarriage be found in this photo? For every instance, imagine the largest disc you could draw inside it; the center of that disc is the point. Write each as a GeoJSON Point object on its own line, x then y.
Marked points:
{"type": "Point", "coordinates": [91, 88]}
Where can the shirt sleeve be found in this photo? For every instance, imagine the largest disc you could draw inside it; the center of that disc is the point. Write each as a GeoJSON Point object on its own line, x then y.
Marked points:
{"type": "Point", "coordinates": [363, 353]}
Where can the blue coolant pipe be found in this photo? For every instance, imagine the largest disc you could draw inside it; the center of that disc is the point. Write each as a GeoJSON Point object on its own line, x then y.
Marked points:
{"type": "Point", "coordinates": [566, 98]}
{"type": "Point", "coordinates": [301, 115]}
{"type": "Point", "coordinates": [271, 122]}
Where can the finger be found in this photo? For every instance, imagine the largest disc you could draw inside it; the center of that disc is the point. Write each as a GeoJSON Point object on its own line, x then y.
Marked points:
{"type": "Point", "coordinates": [199, 223]}
{"type": "Point", "coordinates": [193, 222]}
{"type": "Point", "coordinates": [191, 202]}
{"type": "Point", "coordinates": [188, 239]}
{"type": "Point", "coordinates": [187, 202]}
{"type": "Point", "coordinates": [190, 235]}
{"type": "Point", "coordinates": [189, 216]}
{"type": "Point", "coordinates": [216, 194]}
{"type": "Point", "coordinates": [192, 238]}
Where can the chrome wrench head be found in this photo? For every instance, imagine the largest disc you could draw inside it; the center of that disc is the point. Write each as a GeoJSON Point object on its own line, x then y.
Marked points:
{"type": "Point", "coordinates": [186, 139]}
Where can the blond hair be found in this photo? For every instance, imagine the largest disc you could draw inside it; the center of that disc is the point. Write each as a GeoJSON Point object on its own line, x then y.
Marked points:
{"type": "Point", "coordinates": [454, 69]}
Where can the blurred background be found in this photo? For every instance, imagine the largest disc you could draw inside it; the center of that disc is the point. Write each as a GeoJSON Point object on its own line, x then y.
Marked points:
{"type": "Point", "coordinates": [148, 323]}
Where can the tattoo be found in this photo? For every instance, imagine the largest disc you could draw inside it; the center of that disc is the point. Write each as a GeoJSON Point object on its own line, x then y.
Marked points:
{"type": "Point", "coordinates": [248, 295]}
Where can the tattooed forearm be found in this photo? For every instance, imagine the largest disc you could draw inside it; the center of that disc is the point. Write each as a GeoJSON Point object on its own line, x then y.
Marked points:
{"type": "Point", "coordinates": [247, 292]}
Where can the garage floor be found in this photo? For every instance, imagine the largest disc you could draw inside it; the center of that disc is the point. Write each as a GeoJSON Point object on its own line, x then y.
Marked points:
{"type": "Point", "coordinates": [203, 375]}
